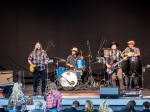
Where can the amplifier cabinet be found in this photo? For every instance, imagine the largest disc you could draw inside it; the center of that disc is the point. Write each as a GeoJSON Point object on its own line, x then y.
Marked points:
{"type": "Point", "coordinates": [146, 77]}
{"type": "Point", "coordinates": [3, 78]}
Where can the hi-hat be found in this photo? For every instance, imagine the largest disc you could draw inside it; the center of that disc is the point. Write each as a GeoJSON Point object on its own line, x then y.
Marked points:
{"type": "Point", "coordinates": [58, 59]}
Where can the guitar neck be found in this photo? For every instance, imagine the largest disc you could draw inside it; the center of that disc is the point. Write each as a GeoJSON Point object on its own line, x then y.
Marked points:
{"type": "Point", "coordinates": [118, 62]}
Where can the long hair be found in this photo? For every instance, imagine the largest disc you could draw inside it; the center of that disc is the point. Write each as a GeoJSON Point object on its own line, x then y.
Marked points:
{"type": "Point", "coordinates": [89, 106]}
{"type": "Point", "coordinates": [16, 90]}
{"type": "Point", "coordinates": [104, 107]}
{"type": "Point", "coordinates": [130, 105]}
{"type": "Point", "coordinates": [41, 50]}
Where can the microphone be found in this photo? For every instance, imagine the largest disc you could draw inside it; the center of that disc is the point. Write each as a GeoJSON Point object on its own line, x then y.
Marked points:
{"type": "Point", "coordinates": [36, 49]}
{"type": "Point", "coordinates": [105, 39]}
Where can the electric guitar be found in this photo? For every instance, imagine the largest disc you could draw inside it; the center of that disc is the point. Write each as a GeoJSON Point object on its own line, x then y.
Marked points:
{"type": "Point", "coordinates": [114, 66]}
{"type": "Point", "coordinates": [32, 69]}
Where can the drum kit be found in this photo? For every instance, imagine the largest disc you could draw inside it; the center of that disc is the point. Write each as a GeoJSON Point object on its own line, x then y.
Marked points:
{"type": "Point", "coordinates": [68, 77]}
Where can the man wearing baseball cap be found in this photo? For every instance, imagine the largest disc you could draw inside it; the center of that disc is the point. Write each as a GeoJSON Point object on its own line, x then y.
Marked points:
{"type": "Point", "coordinates": [131, 50]}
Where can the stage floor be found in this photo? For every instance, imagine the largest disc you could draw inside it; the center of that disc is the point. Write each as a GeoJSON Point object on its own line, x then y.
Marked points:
{"type": "Point", "coordinates": [28, 90]}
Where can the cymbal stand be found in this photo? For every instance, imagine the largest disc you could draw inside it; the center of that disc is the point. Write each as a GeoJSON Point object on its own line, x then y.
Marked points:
{"type": "Point", "coordinates": [48, 81]}
{"type": "Point", "coordinates": [90, 78]}
{"type": "Point", "coordinates": [99, 57]}
{"type": "Point", "coordinates": [57, 79]}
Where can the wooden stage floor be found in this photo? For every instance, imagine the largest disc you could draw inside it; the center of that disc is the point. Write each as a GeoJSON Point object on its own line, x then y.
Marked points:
{"type": "Point", "coordinates": [28, 90]}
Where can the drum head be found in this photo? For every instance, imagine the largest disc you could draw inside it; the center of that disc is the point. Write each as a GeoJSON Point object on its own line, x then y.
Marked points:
{"type": "Point", "coordinates": [68, 79]}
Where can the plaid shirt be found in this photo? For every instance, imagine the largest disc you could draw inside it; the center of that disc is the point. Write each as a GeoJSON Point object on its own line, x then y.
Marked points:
{"type": "Point", "coordinates": [72, 60]}
{"type": "Point", "coordinates": [114, 57]}
{"type": "Point", "coordinates": [54, 100]}
{"type": "Point", "coordinates": [34, 58]}
{"type": "Point", "coordinates": [21, 99]}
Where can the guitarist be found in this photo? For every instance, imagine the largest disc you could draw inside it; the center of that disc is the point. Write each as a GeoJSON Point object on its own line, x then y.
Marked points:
{"type": "Point", "coordinates": [115, 56]}
{"type": "Point", "coordinates": [37, 59]}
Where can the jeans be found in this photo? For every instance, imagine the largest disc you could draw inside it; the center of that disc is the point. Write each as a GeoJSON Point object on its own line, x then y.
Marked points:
{"type": "Point", "coordinates": [119, 74]}
{"type": "Point", "coordinates": [35, 80]}
{"type": "Point", "coordinates": [53, 110]}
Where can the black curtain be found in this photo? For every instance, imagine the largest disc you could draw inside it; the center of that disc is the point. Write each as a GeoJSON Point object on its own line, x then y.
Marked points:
{"type": "Point", "coordinates": [70, 23]}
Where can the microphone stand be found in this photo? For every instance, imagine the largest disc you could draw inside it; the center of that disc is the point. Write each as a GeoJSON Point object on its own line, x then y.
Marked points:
{"type": "Point", "coordinates": [90, 78]}
{"type": "Point", "coordinates": [99, 59]}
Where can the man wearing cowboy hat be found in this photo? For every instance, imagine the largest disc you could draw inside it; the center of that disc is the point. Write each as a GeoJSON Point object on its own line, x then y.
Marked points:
{"type": "Point", "coordinates": [114, 56]}
{"type": "Point", "coordinates": [72, 59]}
{"type": "Point", "coordinates": [131, 50]}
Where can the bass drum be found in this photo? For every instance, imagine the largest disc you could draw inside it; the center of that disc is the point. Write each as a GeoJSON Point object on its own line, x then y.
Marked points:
{"type": "Point", "coordinates": [125, 67]}
{"type": "Point", "coordinates": [134, 63]}
{"type": "Point", "coordinates": [68, 79]}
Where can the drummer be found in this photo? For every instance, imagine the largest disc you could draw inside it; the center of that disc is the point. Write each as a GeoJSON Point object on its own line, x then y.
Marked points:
{"type": "Point", "coordinates": [131, 50]}
{"type": "Point", "coordinates": [73, 58]}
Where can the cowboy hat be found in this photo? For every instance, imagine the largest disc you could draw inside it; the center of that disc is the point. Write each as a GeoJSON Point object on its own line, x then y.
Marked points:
{"type": "Point", "coordinates": [113, 44]}
{"type": "Point", "coordinates": [74, 49]}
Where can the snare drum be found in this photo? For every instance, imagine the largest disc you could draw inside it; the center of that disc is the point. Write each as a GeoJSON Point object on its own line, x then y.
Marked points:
{"type": "Point", "coordinates": [68, 79]}
{"type": "Point", "coordinates": [60, 70]}
{"type": "Point", "coordinates": [80, 64]}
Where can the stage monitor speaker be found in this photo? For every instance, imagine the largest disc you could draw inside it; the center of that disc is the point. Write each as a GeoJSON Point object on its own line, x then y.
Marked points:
{"type": "Point", "coordinates": [109, 92]}
{"type": "Point", "coordinates": [146, 76]}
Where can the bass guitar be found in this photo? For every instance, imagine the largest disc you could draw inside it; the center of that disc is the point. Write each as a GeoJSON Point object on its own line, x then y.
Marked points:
{"type": "Point", "coordinates": [113, 66]}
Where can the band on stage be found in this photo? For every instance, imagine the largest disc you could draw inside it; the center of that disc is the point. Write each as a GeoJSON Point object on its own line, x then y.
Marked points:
{"type": "Point", "coordinates": [117, 65]}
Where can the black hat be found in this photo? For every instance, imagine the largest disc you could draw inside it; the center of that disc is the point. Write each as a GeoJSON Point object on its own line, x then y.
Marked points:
{"type": "Point", "coordinates": [113, 44]}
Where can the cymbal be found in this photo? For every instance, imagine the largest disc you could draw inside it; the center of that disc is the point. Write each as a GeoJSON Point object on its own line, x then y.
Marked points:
{"type": "Point", "coordinates": [87, 56]}
{"type": "Point", "coordinates": [58, 59]}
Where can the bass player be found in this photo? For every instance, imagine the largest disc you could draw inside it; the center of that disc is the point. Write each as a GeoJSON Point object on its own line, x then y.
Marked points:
{"type": "Point", "coordinates": [113, 57]}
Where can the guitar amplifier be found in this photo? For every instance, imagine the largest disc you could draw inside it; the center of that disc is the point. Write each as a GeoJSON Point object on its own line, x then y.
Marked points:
{"type": "Point", "coordinates": [6, 76]}
{"type": "Point", "coordinates": [146, 76]}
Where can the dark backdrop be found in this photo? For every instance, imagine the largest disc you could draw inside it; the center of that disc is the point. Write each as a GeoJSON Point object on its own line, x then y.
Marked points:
{"type": "Point", "coordinates": [70, 23]}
